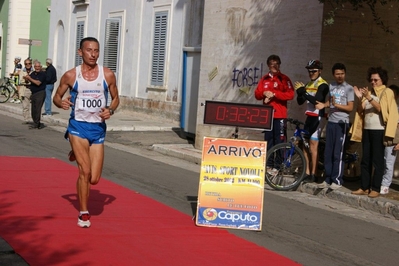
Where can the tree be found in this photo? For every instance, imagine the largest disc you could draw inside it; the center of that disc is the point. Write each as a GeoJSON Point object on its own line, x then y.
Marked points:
{"type": "Point", "coordinates": [358, 5]}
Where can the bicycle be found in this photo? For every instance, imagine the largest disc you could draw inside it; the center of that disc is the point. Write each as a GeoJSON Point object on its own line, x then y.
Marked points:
{"type": "Point", "coordinates": [286, 163]}
{"type": "Point", "coordinates": [7, 90]}
{"type": "Point", "coordinates": [351, 162]}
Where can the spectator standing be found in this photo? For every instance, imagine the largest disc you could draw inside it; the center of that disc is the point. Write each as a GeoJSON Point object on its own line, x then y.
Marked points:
{"type": "Point", "coordinates": [275, 89]}
{"type": "Point", "coordinates": [341, 100]}
{"type": "Point", "coordinates": [37, 80]}
{"type": "Point", "coordinates": [378, 113]}
{"type": "Point", "coordinates": [89, 85]}
{"type": "Point", "coordinates": [51, 78]}
{"type": "Point", "coordinates": [314, 91]}
{"type": "Point", "coordinates": [25, 90]}
{"type": "Point", "coordinates": [390, 153]}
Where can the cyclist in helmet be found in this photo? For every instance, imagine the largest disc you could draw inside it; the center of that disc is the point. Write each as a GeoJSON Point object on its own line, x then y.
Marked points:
{"type": "Point", "coordinates": [314, 91]}
{"type": "Point", "coordinates": [15, 77]}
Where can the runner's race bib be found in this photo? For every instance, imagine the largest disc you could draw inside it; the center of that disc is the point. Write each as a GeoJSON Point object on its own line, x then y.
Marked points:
{"type": "Point", "coordinates": [88, 106]}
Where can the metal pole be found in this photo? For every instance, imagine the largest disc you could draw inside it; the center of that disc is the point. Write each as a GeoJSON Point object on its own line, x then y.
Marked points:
{"type": "Point", "coordinates": [30, 45]}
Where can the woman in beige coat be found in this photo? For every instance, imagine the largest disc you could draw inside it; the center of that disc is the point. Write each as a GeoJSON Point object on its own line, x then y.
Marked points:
{"type": "Point", "coordinates": [377, 115]}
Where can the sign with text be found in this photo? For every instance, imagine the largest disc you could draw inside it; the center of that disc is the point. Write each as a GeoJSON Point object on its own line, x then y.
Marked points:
{"type": "Point", "coordinates": [231, 185]}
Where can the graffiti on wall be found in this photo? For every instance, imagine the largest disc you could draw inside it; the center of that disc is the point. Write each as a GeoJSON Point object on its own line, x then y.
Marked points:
{"type": "Point", "coordinates": [247, 76]}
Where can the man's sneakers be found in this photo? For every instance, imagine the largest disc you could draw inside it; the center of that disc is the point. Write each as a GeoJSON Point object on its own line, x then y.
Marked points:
{"type": "Point", "coordinates": [84, 220]}
{"type": "Point", "coordinates": [384, 190]}
{"type": "Point", "coordinates": [335, 186]}
{"type": "Point", "coordinates": [309, 179]}
{"type": "Point", "coordinates": [323, 185]}
{"type": "Point", "coordinates": [71, 156]}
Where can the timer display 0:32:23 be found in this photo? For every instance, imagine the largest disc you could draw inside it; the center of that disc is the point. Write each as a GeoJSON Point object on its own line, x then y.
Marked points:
{"type": "Point", "coordinates": [236, 114]}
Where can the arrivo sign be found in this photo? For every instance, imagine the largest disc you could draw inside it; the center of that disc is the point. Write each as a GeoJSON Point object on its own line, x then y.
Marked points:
{"type": "Point", "coordinates": [238, 114]}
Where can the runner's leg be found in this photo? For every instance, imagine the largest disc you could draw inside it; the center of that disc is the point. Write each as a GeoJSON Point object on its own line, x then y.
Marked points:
{"type": "Point", "coordinates": [81, 150]}
{"type": "Point", "coordinates": [97, 161]}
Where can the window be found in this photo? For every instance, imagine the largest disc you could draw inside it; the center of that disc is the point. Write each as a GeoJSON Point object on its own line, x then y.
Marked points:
{"type": "Point", "coordinates": [111, 45]}
{"type": "Point", "coordinates": [159, 48]}
{"type": "Point", "coordinates": [80, 29]}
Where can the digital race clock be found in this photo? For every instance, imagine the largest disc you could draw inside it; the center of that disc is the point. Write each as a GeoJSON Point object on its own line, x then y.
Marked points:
{"type": "Point", "coordinates": [238, 114]}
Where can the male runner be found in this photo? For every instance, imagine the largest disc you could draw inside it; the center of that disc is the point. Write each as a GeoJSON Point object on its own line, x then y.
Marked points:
{"type": "Point", "coordinates": [89, 85]}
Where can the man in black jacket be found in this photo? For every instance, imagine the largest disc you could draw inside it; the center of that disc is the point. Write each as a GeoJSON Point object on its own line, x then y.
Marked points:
{"type": "Point", "coordinates": [37, 80]}
{"type": "Point", "coordinates": [51, 78]}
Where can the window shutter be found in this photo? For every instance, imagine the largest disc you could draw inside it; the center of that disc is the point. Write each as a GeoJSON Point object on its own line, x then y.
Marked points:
{"type": "Point", "coordinates": [80, 29]}
{"type": "Point", "coordinates": [111, 45]}
{"type": "Point", "coordinates": [159, 48]}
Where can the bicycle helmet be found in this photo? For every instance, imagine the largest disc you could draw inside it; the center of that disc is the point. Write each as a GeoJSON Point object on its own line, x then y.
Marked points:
{"type": "Point", "coordinates": [314, 64]}
{"type": "Point", "coordinates": [18, 58]}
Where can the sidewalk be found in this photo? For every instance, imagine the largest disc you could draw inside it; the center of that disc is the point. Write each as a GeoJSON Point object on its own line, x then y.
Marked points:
{"type": "Point", "coordinates": [388, 205]}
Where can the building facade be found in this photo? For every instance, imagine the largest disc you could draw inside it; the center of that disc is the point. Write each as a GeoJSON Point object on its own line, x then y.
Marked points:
{"type": "Point", "coordinates": [24, 29]}
{"type": "Point", "coordinates": [171, 56]}
{"type": "Point", "coordinates": [152, 46]}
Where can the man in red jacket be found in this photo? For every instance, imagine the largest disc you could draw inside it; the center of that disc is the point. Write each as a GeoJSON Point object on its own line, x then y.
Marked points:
{"type": "Point", "coordinates": [275, 89]}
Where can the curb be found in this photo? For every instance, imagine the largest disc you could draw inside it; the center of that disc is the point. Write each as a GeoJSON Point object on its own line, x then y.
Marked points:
{"type": "Point", "coordinates": [57, 121]}
{"type": "Point", "coordinates": [386, 207]}
{"type": "Point", "coordinates": [182, 151]}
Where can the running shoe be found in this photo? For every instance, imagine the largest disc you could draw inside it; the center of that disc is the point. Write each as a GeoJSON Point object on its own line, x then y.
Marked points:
{"type": "Point", "coordinates": [71, 156]}
{"type": "Point", "coordinates": [84, 220]}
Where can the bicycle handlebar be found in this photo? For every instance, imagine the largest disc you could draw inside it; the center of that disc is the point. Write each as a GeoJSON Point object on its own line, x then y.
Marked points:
{"type": "Point", "coordinates": [295, 121]}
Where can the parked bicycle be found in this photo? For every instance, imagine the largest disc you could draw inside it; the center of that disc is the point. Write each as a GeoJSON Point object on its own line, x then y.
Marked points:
{"type": "Point", "coordinates": [286, 163]}
{"type": "Point", "coordinates": [351, 162]}
{"type": "Point", "coordinates": [7, 90]}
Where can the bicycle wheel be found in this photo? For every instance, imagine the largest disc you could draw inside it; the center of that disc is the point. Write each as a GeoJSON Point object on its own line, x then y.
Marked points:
{"type": "Point", "coordinates": [287, 165]}
{"type": "Point", "coordinates": [4, 94]}
{"type": "Point", "coordinates": [12, 91]}
{"type": "Point", "coordinates": [352, 162]}
{"type": "Point", "coordinates": [351, 167]}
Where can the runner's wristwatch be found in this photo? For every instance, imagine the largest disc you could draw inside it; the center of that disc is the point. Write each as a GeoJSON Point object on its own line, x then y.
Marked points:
{"type": "Point", "coordinates": [111, 111]}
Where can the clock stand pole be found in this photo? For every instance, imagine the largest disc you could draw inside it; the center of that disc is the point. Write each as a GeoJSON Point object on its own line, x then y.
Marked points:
{"type": "Point", "coordinates": [235, 134]}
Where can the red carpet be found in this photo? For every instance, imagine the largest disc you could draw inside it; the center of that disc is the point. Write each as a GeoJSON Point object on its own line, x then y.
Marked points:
{"type": "Point", "coordinates": [38, 218]}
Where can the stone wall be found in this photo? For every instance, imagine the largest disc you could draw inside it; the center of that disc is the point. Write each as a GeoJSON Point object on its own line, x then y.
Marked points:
{"type": "Point", "coordinates": [161, 109]}
{"type": "Point", "coordinates": [238, 36]}
{"type": "Point", "coordinates": [355, 40]}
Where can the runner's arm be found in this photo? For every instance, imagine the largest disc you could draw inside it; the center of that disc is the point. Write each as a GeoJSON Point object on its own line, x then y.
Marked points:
{"type": "Point", "coordinates": [113, 90]}
{"type": "Point", "coordinates": [66, 82]}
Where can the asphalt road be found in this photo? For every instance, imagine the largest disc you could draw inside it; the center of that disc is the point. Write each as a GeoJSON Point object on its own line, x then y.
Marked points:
{"type": "Point", "coordinates": [307, 229]}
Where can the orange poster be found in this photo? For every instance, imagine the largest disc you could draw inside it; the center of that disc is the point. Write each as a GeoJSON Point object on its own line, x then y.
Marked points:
{"type": "Point", "coordinates": [231, 184]}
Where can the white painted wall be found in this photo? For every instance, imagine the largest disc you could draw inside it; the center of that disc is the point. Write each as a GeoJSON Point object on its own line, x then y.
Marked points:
{"type": "Point", "coordinates": [18, 27]}
{"type": "Point", "coordinates": [136, 39]}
